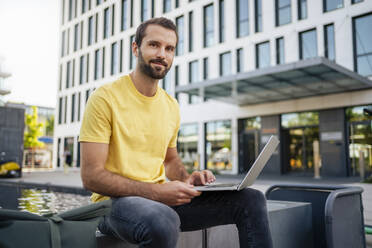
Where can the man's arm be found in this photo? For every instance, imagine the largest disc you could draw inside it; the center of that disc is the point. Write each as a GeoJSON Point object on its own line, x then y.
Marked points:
{"type": "Point", "coordinates": [175, 170]}
{"type": "Point", "coordinates": [97, 179]}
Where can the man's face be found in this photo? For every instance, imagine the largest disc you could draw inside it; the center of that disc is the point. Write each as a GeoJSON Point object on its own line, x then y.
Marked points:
{"type": "Point", "coordinates": [156, 53]}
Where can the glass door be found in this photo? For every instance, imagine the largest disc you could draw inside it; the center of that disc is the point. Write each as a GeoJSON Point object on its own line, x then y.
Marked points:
{"type": "Point", "coordinates": [360, 147]}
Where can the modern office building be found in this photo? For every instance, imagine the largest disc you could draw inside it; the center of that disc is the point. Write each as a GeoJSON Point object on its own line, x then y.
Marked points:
{"type": "Point", "coordinates": [244, 70]}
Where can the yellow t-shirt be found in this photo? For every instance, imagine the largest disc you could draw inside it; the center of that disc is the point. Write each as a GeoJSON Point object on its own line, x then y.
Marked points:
{"type": "Point", "coordinates": [138, 129]}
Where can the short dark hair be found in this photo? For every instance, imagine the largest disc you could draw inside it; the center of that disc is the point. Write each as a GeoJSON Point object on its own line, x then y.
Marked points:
{"type": "Point", "coordinates": [161, 21]}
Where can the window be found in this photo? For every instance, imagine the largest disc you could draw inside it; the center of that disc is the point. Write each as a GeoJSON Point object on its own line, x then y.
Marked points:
{"type": "Point", "coordinates": [68, 42]}
{"type": "Point", "coordinates": [70, 9]}
{"type": "Point", "coordinates": [96, 30]}
{"type": "Point", "coordinates": [98, 64]}
{"type": "Point", "coordinates": [113, 19]}
{"type": "Point", "coordinates": [205, 68]}
{"type": "Point", "coordinates": [131, 13]}
{"type": "Point", "coordinates": [329, 42]}
{"type": "Point", "coordinates": [356, 1]}
{"type": "Point", "coordinates": [176, 78]}
{"type": "Point", "coordinates": [73, 108]}
{"type": "Point", "coordinates": [106, 23]}
{"type": "Point", "coordinates": [193, 78]}
{"type": "Point", "coordinates": [258, 15]}
{"type": "Point", "coordinates": [121, 56]}
{"type": "Point", "coordinates": [329, 5]}
{"type": "Point", "coordinates": [167, 5]}
{"type": "Point", "coordinates": [208, 26]}
{"type": "Point", "coordinates": [63, 43]}
{"type": "Point", "coordinates": [60, 77]}
{"type": "Point", "coordinates": [222, 20]}
{"type": "Point", "coordinates": [87, 70]}
{"type": "Point", "coordinates": [65, 114]}
{"type": "Point", "coordinates": [239, 60]}
{"type": "Point", "coordinates": [132, 58]}
{"type": "Point", "coordinates": [263, 55]}
{"type": "Point", "coordinates": [90, 30]}
{"type": "Point", "coordinates": [144, 10]}
{"type": "Point", "coordinates": [114, 58]}
{"type": "Point", "coordinates": [83, 6]}
{"type": "Point", "coordinates": [187, 146]}
{"type": "Point", "coordinates": [242, 18]}
{"type": "Point", "coordinates": [82, 74]}
{"type": "Point", "coordinates": [191, 36]}
{"type": "Point", "coordinates": [302, 9]}
{"type": "Point", "coordinates": [282, 12]}
{"type": "Point", "coordinates": [79, 106]}
{"type": "Point", "coordinates": [81, 34]}
{"type": "Point", "coordinates": [63, 12]}
{"type": "Point", "coordinates": [181, 36]}
{"type": "Point", "coordinates": [60, 102]}
{"type": "Point", "coordinates": [76, 36]}
{"type": "Point", "coordinates": [73, 73]}
{"type": "Point", "coordinates": [362, 37]}
{"type": "Point", "coordinates": [98, 2]}
{"type": "Point", "coordinates": [177, 3]}
{"type": "Point", "coordinates": [225, 64]}
{"type": "Point", "coordinates": [279, 51]}
{"type": "Point", "coordinates": [68, 74]}
{"type": "Point", "coordinates": [308, 44]}
{"type": "Point", "coordinates": [124, 15]}
{"type": "Point", "coordinates": [218, 145]}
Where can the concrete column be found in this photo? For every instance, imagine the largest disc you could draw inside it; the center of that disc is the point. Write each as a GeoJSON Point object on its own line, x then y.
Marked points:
{"type": "Point", "coordinates": [333, 141]}
{"type": "Point", "coordinates": [270, 125]}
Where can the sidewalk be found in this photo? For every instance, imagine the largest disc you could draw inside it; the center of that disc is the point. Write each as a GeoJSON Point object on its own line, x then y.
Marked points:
{"type": "Point", "coordinates": [263, 183]}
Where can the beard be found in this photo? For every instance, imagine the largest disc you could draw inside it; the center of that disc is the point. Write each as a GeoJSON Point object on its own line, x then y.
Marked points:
{"type": "Point", "coordinates": [149, 71]}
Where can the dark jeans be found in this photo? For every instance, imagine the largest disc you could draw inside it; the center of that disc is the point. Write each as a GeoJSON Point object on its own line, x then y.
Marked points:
{"type": "Point", "coordinates": [153, 224]}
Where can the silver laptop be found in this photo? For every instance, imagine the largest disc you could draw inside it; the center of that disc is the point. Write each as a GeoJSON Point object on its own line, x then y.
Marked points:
{"type": "Point", "coordinates": [252, 174]}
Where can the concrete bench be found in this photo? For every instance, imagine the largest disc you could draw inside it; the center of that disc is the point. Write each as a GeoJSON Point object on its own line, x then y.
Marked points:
{"type": "Point", "coordinates": [290, 224]}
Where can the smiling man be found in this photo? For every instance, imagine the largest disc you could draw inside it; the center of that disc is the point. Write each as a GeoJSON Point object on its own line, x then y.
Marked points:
{"type": "Point", "coordinates": [128, 149]}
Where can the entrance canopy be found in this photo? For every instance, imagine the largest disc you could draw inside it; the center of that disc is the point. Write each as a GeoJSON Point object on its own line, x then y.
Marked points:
{"type": "Point", "coordinates": [305, 78]}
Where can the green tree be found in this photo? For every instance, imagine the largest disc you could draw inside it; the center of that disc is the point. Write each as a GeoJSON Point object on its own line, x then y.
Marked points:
{"type": "Point", "coordinates": [33, 130]}
{"type": "Point", "coordinates": [49, 126]}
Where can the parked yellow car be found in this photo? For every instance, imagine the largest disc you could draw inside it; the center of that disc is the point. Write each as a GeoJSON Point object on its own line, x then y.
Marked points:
{"type": "Point", "coordinates": [10, 169]}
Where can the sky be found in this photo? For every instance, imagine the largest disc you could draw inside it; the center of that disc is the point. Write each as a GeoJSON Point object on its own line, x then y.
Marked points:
{"type": "Point", "coordinates": [29, 50]}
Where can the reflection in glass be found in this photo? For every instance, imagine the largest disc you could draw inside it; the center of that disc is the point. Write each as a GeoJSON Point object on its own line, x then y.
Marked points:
{"type": "Point", "coordinates": [308, 44]}
{"type": "Point", "coordinates": [218, 145]}
{"type": "Point", "coordinates": [363, 44]}
{"type": "Point", "coordinates": [300, 119]}
{"type": "Point", "coordinates": [188, 146]}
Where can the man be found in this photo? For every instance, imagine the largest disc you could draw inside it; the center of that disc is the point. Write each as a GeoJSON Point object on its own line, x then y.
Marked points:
{"type": "Point", "coordinates": [128, 148]}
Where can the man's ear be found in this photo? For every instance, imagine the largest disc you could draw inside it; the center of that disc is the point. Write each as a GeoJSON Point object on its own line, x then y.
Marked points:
{"type": "Point", "coordinates": [135, 49]}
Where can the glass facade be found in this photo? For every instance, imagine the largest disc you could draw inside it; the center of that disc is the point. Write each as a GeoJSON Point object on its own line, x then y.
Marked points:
{"type": "Point", "coordinates": [187, 146]}
{"type": "Point", "coordinates": [124, 15]}
{"type": "Point", "coordinates": [280, 51]}
{"type": "Point", "coordinates": [82, 74]}
{"type": "Point", "coordinates": [145, 15]}
{"type": "Point", "coordinates": [360, 139]}
{"type": "Point", "coordinates": [218, 145]}
{"type": "Point", "coordinates": [263, 55]}
{"type": "Point", "coordinates": [132, 58]}
{"type": "Point", "coordinates": [363, 45]}
{"type": "Point", "coordinates": [98, 64]}
{"type": "Point", "coordinates": [208, 26]}
{"type": "Point", "coordinates": [76, 36]}
{"type": "Point", "coordinates": [225, 64]}
{"type": "Point", "coordinates": [329, 42]}
{"type": "Point", "coordinates": [302, 9]}
{"type": "Point", "coordinates": [329, 5]}
{"type": "Point", "coordinates": [222, 20]}
{"type": "Point", "coordinates": [308, 44]}
{"type": "Point", "coordinates": [282, 12]}
{"type": "Point", "coordinates": [114, 59]}
{"type": "Point", "coordinates": [258, 15]}
{"type": "Point", "coordinates": [106, 23]}
{"type": "Point", "coordinates": [191, 35]}
{"type": "Point", "coordinates": [242, 18]}
{"type": "Point", "coordinates": [194, 78]}
{"type": "Point", "coordinates": [239, 60]}
{"type": "Point", "coordinates": [205, 68]}
{"type": "Point", "coordinates": [167, 6]}
{"type": "Point", "coordinates": [181, 35]}
{"type": "Point", "coordinates": [90, 30]}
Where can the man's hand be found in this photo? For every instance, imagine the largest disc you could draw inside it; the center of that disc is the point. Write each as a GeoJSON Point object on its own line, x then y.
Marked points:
{"type": "Point", "coordinates": [174, 193]}
{"type": "Point", "coordinates": [201, 177]}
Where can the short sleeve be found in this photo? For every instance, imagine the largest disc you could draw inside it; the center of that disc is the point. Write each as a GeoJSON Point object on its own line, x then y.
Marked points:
{"type": "Point", "coordinates": [173, 141]}
{"type": "Point", "coordinates": [96, 124]}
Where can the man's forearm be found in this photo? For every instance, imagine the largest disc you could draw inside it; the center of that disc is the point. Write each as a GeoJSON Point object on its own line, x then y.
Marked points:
{"type": "Point", "coordinates": [106, 183]}
{"type": "Point", "coordinates": [175, 170]}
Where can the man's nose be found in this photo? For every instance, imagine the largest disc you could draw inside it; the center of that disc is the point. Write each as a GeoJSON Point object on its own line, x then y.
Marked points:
{"type": "Point", "coordinates": [161, 52]}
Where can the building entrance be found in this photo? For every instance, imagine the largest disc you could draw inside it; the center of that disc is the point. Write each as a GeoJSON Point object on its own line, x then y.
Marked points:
{"type": "Point", "coordinates": [360, 147]}
{"type": "Point", "coordinates": [300, 150]}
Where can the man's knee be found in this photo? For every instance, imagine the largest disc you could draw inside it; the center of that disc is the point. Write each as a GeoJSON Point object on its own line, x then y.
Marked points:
{"type": "Point", "coordinates": [253, 196]}
{"type": "Point", "coordinates": [161, 226]}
